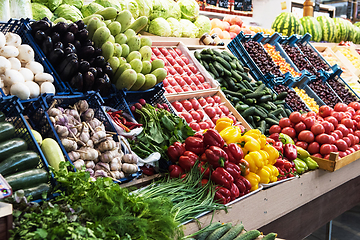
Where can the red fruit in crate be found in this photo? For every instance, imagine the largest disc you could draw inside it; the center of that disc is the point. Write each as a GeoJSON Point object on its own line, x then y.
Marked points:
{"type": "Point", "coordinates": [206, 85]}
{"type": "Point", "coordinates": [193, 77]}
{"type": "Point", "coordinates": [210, 111]}
{"type": "Point", "coordinates": [284, 122]}
{"type": "Point", "coordinates": [332, 120]}
{"type": "Point", "coordinates": [171, 70]}
{"type": "Point", "coordinates": [179, 69]}
{"type": "Point", "coordinates": [164, 51]}
{"type": "Point", "coordinates": [178, 89]}
{"type": "Point", "coordinates": [195, 115]}
{"type": "Point", "coordinates": [153, 57]}
{"type": "Point", "coordinates": [195, 80]}
{"type": "Point", "coordinates": [171, 60]}
{"type": "Point", "coordinates": [192, 68]}
{"type": "Point", "coordinates": [156, 51]}
{"type": "Point", "coordinates": [354, 105]}
{"type": "Point", "coordinates": [180, 61]}
{"type": "Point", "coordinates": [343, 129]}
{"type": "Point", "coordinates": [178, 106]}
{"type": "Point", "coordinates": [295, 117]}
{"type": "Point", "coordinates": [313, 148]}
{"type": "Point", "coordinates": [325, 111]}
{"type": "Point", "coordinates": [306, 136]}
{"type": "Point", "coordinates": [185, 59]}
{"type": "Point", "coordinates": [211, 124]}
{"type": "Point", "coordinates": [214, 119]}
{"type": "Point", "coordinates": [200, 87]}
{"type": "Point", "coordinates": [232, 117]}
{"type": "Point", "coordinates": [170, 90]}
{"type": "Point", "coordinates": [317, 129]}
{"type": "Point", "coordinates": [336, 137]}
{"type": "Point", "coordinates": [187, 70]}
{"type": "Point", "coordinates": [347, 122]}
{"type": "Point", "coordinates": [200, 77]}
{"type": "Point", "coordinates": [210, 101]}
{"type": "Point", "coordinates": [347, 140]}
{"type": "Point", "coordinates": [187, 116]}
{"type": "Point", "coordinates": [182, 83]}
{"type": "Point", "coordinates": [172, 81]}
{"type": "Point", "coordinates": [217, 99]}
{"type": "Point", "coordinates": [186, 104]}
{"type": "Point", "coordinates": [186, 88]}
{"type": "Point", "coordinates": [274, 129]}
{"type": "Point", "coordinates": [218, 111]}
{"type": "Point", "coordinates": [166, 82]}
{"type": "Point", "coordinates": [178, 51]}
{"type": "Point", "coordinates": [195, 104]}
{"type": "Point", "coordinates": [204, 125]}
{"type": "Point", "coordinates": [201, 113]}
{"type": "Point", "coordinates": [309, 122]}
{"type": "Point", "coordinates": [172, 53]}
{"type": "Point", "coordinates": [194, 87]}
{"type": "Point", "coordinates": [301, 144]}
{"type": "Point", "coordinates": [202, 101]}
{"type": "Point", "coordinates": [187, 79]}
{"type": "Point", "coordinates": [289, 131]}
{"type": "Point", "coordinates": [352, 138]}
{"type": "Point", "coordinates": [195, 126]}
{"type": "Point", "coordinates": [224, 109]}
{"type": "Point", "coordinates": [177, 78]}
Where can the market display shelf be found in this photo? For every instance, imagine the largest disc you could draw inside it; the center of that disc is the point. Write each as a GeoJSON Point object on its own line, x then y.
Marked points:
{"type": "Point", "coordinates": [268, 185]}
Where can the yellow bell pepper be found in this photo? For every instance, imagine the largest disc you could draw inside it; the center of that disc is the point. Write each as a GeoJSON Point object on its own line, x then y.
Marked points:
{"type": "Point", "coordinates": [255, 133]}
{"type": "Point", "coordinates": [255, 160]}
{"type": "Point", "coordinates": [223, 123]}
{"type": "Point", "coordinates": [262, 141]}
{"type": "Point", "coordinates": [264, 174]}
{"type": "Point", "coordinates": [249, 144]}
{"type": "Point", "coordinates": [265, 156]}
{"type": "Point", "coordinates": [273, 153]}
{"type": "Point", "coordinates": [274, 173]}
{"type": "Point", "coordinates": [254, 179]}
{"type": "Point", "coordinates": [231, 134]}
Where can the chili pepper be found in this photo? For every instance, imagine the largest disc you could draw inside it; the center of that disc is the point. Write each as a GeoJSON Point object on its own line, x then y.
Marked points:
{"type": "Point", "coordinates": [213, 138]}
{"type": "Point", "coordinates": [195, 145]}
{"type": "Point", "coordinates": [285, 139]}
{"type": "Point", "coordinates": [300, 165]}
{"type": "Point", "coordinates": [183, 176]}
{"type": "Point", "coordinates": [117, 121]}
{"type": "Point", "coordinates": [223, 123]}
{"type": "Point", "coordinates": [233, 169]}
{"type": "Point", "coordinates": [175, 151]}
{"type": "Point", "coordinates": [264, 175]}
{"type": "Point", "coordinates": [117, 112]}
{"type": "Point", "coordinates": [235, 193]}
{"type": "Point", "coordinates": [270, 141]}
{"type": "Point", "coordinates": [204, 181]}
{"type": "Point", "coordinates": [132, 127]}
{"type": "Point", "coordinates": [254, 179]}
{"type": "Point", "coordinates": [203, 157]}
{"type": "Point", "coordinates": [204, 169]}
{"type": "Point", "coordinates": [231, 134]}
{"type": "Point", "coordinates": [148, 170]}
{"type": "Point", "coordinates": [279, 146]}
{"type": "Point", "coordinates": [244, 166]}
{"type": "Point", "coordinates": [249, 144]}
{"type": "Point", "coordinates": [255, 160]}
{"type": "Point", "coordinates": [175, 171]}
{"type": "Point", "coordinates": [222, 195]}
{"type": "Point", "coordinates": [302, 153]}
{"type": "Point", "coordinates": [311, 163]}
{"type": "Point", "coordinates": [129, 124]}
{"type": "Point", "coordinates": [187, 160]}
{"type": "Point", "coordinates": [216, 156]}
{"type": "Point", "coordinates": [290, 151]}
{"type": "Point", "coordinates": [234, 152]}
{"type": "Point", "coordinates": [222, 177]}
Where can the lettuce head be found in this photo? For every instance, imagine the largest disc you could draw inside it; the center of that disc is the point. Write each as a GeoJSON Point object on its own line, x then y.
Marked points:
{"type": "Point", "coordinates": [160, 9]}
{"type": "Point", "coordinates": [50, 4]}
{"type": "Point", "coordinates": [90, 9]}
{"type": "Point", "coordinates": [40, 11]}
{"type": "Point", "coordinates": [76, 3]}
{"type": "Point", "coordinates": [203, 24]}
{"type": "Point", "coordinates": [189, 29]}
{"type": "Point", "coordinates": [174, 10]}
{"type": "Point", "coordinates": [189, 9]}
{"type": "Point", "coordinates": [133, 7]}
{"type": "Point", "coordinates": [109, 3]}
{"type": "Point", "coordinates": [160, 27]}
{"type": "Point", "coordinates": [68, 12]}
{"type": "Point", "coordinates": [144, 8]}
{"type": "Point", "coordinates": [175, 27]}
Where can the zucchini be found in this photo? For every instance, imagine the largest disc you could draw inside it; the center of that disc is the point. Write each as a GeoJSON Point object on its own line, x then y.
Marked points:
{"type": "Point", "coordinates": [218, 233]}
{"type": "Point", "coordinates": [244, 91]}
{"type": "Point", "coordinates": [249, 235]}
{"type": "Point", "coordinates": [7, 131]}
{"type": "Point", "coordinates": [234, 94]}
{"type": "Point", "coordinates": [197, 55]}
{"type": "Point", "coordinates": [265, 98]}
{"type": "Point", "coordinates": [262, 126]}
{"type": "Point", "coordinates": [2, 117]}
{"type": "Point", "coordinates": [19, 162]}
{"type": "Point", "coordinates": [28, 178]}
{"type": "Point", "coordinates": [233, 232]}
{"type": "Point", "coordinates": [281, 96]}
{"type": "Point", "coordinates": [271, 121]}
{"type": "Point", "coordinates": [270, 236]}
{"type": "Point", "coordinates": [52, 152]}
{"type": "Point", "coordinates": [254, 95]}
{"type": "Point", "coordinates": [241, 107]}
{"type": "Point", "coordinates": [250, 101]}
{"type": "Point", "coordinates": [212, 227]}
{"type": "Point", "coordinates": [36, 192]}
{"type": "Point", "coordinates": [236, 76]}
{"type": "Point", "coordinates": [218, 68]}
{"type": "Point", "coordinates": [248, 112]}
{"type": "Point", "coordinates": [224, 84]}
{"type": "Point", "coordinates": [10, 147]}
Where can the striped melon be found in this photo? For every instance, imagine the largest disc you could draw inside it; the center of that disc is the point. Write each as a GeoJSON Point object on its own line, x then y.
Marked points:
{"type": "Point", "coordinates": [312, 26]}
{"type": "Point", "coordinates": [301, 32]}
{"type": "Point", "coordinates": [356, 38]}
{"type": "Point", "coordinates": [328, 28]}
{"type": "Point", "coordinates": [351, 30]}
{"type": "Point", "coordinates": [341, 30]}
{"type": "Point", "coordinates": [287, 24]}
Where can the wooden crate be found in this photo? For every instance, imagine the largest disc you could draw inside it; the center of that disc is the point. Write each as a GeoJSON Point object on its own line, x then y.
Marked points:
{"type": "Point", "coordinates": [198, 94]}
{"type": "Point", "coordinates": [335, 162]}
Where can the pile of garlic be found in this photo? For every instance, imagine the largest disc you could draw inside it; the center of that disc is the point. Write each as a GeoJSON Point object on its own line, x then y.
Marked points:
{"type": "Point", "coordinates": [20, 74]}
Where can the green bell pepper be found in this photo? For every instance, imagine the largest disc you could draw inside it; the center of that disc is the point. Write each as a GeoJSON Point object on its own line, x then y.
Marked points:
{"type": "Point", "coordinates": [285, 139]}
{"type": "Point", "coordinates": [300, 166]}
{"type": "Point", "coordinates": [311, 163]}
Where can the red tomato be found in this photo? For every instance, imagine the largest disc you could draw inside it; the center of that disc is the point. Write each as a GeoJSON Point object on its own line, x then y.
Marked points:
{"type": "Point", "coordinates": [306, 136]}
{"type": "Point", "coordinates": [343, 129]}
{"type": "Point", "coordinates": [211, 124]}
{"type": "Point", "coordinates": [170, 90]}
{"type": "Point", "coordinates": [352, 150]}
{"type": "Point", "coordinates": [172, 53]}
{"type": "Point", "coordinates": [195, 115]}
{"type": "Point", "coordinates": [156, 51]}
{"type": "Point", "coordinates": [327, 156]}
{"type": "Point", "coordinates": [341, 145]}
{"type": "Point", "coordinates": [187, 116]}
{"type": "Point", "coordinates": [342, 154]}
{"type": "Point", "coordinates": [335, 135]}
{"type": "Point", "coordinates": [347, 140]}
{"type": "Point", "coordinates": [203, 125]}
{"type": "Point", "coordinates": [357, 139]}
{"type": "Point", "coordinates": [303, 116]}
{"type": "Point", "coordinates": [302, 144]}
{"type": "Point", "coordinates": [217, 99]}
{"type": "Point", "coordinates": [352, 139]}
{"type": "Point", "coordinates": [284, 122]}
{"type": "Point", "coordinates": [334, 148]}
{"type": "Point", "coordinates": [300, 127]}
{"type": "Point", "coordinates": [336, 115]}
{"type": "Point", "coordinates": [351, 111]}
{"type": "Point", "coordinates": [232, 117]}
{"type": "Point", "coordinates": [171, 60]}
{"type": "Point", "coordinates": [277, 129]}
{"type": "Point", "coordinates": [214, 119]}
{"type": "Point", "coordinates": [325, 149]}
{"type": "Point", "coordinates": [348, 152]}
{"type": "Point", "coordinates": [210, 100]}
{"type": "Point", "coordinates": [317, 129]}
{"type": "Point", "coordinates": [357, 133]}
{"type": "Point", "coordinates": [192, 68]}
{"type": "Point", "coordinates": [186, 88]}
{"type": "Point", "coordinates": [206, 85]}
{"type": "Point", "coordinates": [319, 119]}
{"type": "Point", "coordinates": [195, 104]}
{"type": "Point", "coordinates": [202, 101]}
{"type": "Point", "coordinates": [347, 122]}
{"type": "Point", "coordinates": [356, 147]}
{"type": "Point", "coordinates": [332, 120]}
{"type": "Point", "coordinates": [354, 105]}
{"type": "Point", "coordinates": [178, 51]}
{"type": "Point", "coordinates": [187, 79]}
{"type": "Point", "coordinates": [200, 77]}
{"type": "Point", "coordinates": [218, 110]}
{"type": "Point", "coordinates": [340, 107]}
{"type": "Point", "coordinates": [178, 106]}
{"type": "Point", "coordinates": [179, 69]}
{"type": "Point", "coordinates": [329, 127]}
{"type": "Point", "coordinates": [185, 59]}
{"type": "Point", "coordinates": [309, 122]}
{"type": "Point", "coordinates": [325, 111]}
{"type": "Point", "coordinates": [318, 155]}
{"type": "Point", "coordinates": [210, 111]}
{"type": "Point", "coordinates": [178, 89]}
{"type": "Point", "coordinates": [187, 105]}
{"type": "Point", "coordinates": [195, 126]}
{"type": "Point", "coordinates": [166, 82]}
{"type": "Point", "coordinates": [289, 131]}
{"type": "Point", "coordinates": [201, 113]}
{"type": "Point", "coordinates": [224, 109]}
{"type": "Point", "coordinates": [323, 138]}
{"type": "Point", "coordinates": [295, 117]}
{"type": "Point", "coordinates": [311, 114]}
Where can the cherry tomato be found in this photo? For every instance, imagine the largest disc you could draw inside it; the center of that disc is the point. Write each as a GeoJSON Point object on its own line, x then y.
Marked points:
{"type": "Point", "coordinates": [178, 106]}
{"type": "Point", "coordinates": [187, 116]}
{"type": "Point", "coordinates": [201, 113]}
{"type": "Point", "coordinates": [210, 101]}
{"type": "Point", "coordinates": [232, 117]}
{"type": "Point", "coordinates": [202, 101]}
{"type": "Point", "coordinates": [211, 124]}
{"type": "Point", "coordinates": [195, 104]}
{"type": "Point", "coordinates": [217, 99]}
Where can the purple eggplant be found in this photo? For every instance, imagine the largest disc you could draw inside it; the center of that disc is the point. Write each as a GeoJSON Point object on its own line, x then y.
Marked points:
{"type": "Point", "coordinates": [67, 37]}
{"type": "Point", "coordinates": [88, 42]}
{"type": "Point", "coordinates": [93, 71]}
{"type": "Point", "coordinates": [82, 35]}
{"type": "Point", "coordinates": [42, 25]}
{"type": "Point", "coordinates": [73, 28]}
{"type": "Point", "coordinates": [99, 61]}
{"type": "Point", "coordinates": [59, 45]}
{"type": "Point", "coordinates": [77, 82]}
{"type": "Point", "coordinates": [47, 45]}
{"type": "Point", "coordinates": [108, 70]}
{"type": "Point", "coordinates": [100, 72]}
{"type": "Point", "coordinates": [68, 58]}
{"type": "Point", "coordinates": [84, 66]}
{"type": "Point", "coordinates": [80, 24]}
{"type": "Point", "coordinates": [103, 85]}
{"type": "Point", "coordinates": [86, 52]}
{"type": "Point", "coordinates": [73, 48]}
{"type": "Point", "coordinates": [70, 70]}
{"type": "Point", "coordinates": [39, 36]}
{"type": "Point", "coordinates": [60, 27]}
{"type": "Point", "coordinates": [98, 52]}
{"type": "Point", "coordinates": [88, 79]}
{"type": "Point", "coordinates": [77, 45]}
{"type": "Point", "coordinates": [55, 37]}
{"type": "Point", "coordinates": [56, 55]}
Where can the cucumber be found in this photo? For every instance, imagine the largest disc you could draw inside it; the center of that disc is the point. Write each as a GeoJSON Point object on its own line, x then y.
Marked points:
{"type": "Point", "coordinates": [260, 88]}
{"type": "Point", "coordinates": [227, 58]}
{"type": "Point", "coordinates": [234, 100]}
{"type": "Point", "coordinates": [241, 107]}
{"type": "Point", "coordinates": [272, 105]}
{"type": "Point", "coordinates": [250, 120]}
{"type": "Point", "coordinates": [19, 162]}
{"type": "Point", "coordinates": [207, 57]}
{"type": "Point", "coordinates": [288, 112]}
{"type": "Point", "coordinates": [10, 147]}
{"type": "Point", "coordinates": [230, 83]}
{"type": "Point", "coordinates": [224, 63]}
{"type": "Point", "coordinates": [258, 83]}
{"type": "Point", "coordinates": [52, 152]}
{"type": "Point", "coordinates": [270, 115]}
{"type": "Point", "coordinates": [262, 109]}
{"type": "Point", "coordinates": [265, 98]}
{"type": "Point", "coordinates": [281, 96]}
{"type": "Point", "coordinates": [244, 76]}
{"type": "Point", "coordinates": [248, 112]}
{"type": "Point", "coordinates": [229, 55]}
{"type": "Point", "coordinates": [271, 121]}
{"type": "Point", "coordinates": [219, 68]}
{"type": "Point", "coordinates": [217, 53]}
{"type": "Point", "coordinates": [256, 118]}
{"type": "Point", "coordinates": [236, 76]}
{"type": "Point", "coordinates": [277, 111]}
{"type": "Point", "coordinates": [240, 85]}
{"type": "Point", "coordinates": [206, 65]}
{"type": "Point", "coordinates": [36, 192]}
{"type": "Point", "coordinates": [270, 236]}
{"type": "Point", "coordinates": [211, 74]}
{"type": "Point", "coordinates": [210, 51]}
{"type": "Point", "coordinates": [239, 66]}
{"type": "Point", "coordinates": [28, 178]}
{"type": "Point", "coordinates": [279, 102]}
{"type": "Point", "coordinates": [254, 95]}
{"type": "Point", "coordinates": [250, 101]}
{"type": "Point", "coordinates": [266, 106]}
{"type": "Point", "coordinates": [227, 73]}
{"type": "Point", "coordinates": [197, 55]}
{"type": "Point", "coordinates": [262, 126]}
{"type": "Point", "coordinates": [248, 86]}
{"type": "Point", "coordinates": [213, 70]}
{"type": "Point", "coordinates": [233, 65]}
{"type": "Point", "coordinates": [249, 235]}
{"type": "Point", "coordinates": [233, 232]}
{"type": "Point", "coordinates": [259, 112]}
{"type": "Point", "coordinates": [234, 94]}
{"type": "Point", "coordinates": [218, 233]}
{"type": "Point", "coordinates": [7, 131]}
{"type": "Point", "coordinates": [212, 227]}
{"type": "Point", "coordinates": [224, 84]}
{"type": "Point", "coordinates": [274, 96]}
{"type": "Point", "coordinates": [2, 117]}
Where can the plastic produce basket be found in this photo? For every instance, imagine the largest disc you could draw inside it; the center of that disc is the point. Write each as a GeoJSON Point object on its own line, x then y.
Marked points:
{"type": "Point", "coordinates": [344, 83]}
{"type": "Point", "coordinates": [40, 120]}
{"type": "Point", "coordinates": [13, 111]}
{"type": "Point", "coordinates": [19, 27]}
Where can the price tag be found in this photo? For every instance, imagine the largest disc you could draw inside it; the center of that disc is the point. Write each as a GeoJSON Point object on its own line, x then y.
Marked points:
{"type": "Point", "coordinates": [223, 3]}
{"type": "Point", "coordinates": [211, 2]}
{"type": "Point", "coordinates": [238, 5]}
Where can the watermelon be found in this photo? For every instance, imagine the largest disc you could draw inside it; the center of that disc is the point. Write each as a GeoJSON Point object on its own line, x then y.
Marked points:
{"type": "Point", "coordinates": [312, 26]}
{"type": "Point", "coordinates": [301, 32]}
{"type": "Point", "coordinates": [287, 24]}
{"type": "Point", "coordinates": [327, 27]}
{"type": "Point", "coordinates": [341, 30]}
{"type": "Point", "coordinates": [351, 31]}
{"type": "Point", "coordinates": [356, 38]}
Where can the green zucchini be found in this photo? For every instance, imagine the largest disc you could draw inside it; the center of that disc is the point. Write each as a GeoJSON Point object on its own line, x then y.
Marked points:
{"type": "Point", "coordinates": [213, 70]}
{"type": "Point", "coordinates": [240, 85]}
{"type": "Point", "coordinates": [236, 76]}
{"type": "Point", "coordinates": [271, 121]}
{"type": "Point", "coordinates": [241, 107]}
{"type": "Point", "coordinates": [7, 131]}
{"type": "Point", "coordinates": [234, 100]}
{"type": "Point", "coordinates": [2, 117]}
{"type": "Point", "coordinates": [282, 96]}
{"type": "Point", "coordinates": [218, 68]}
{"type": "Point", "coordinates": [265, 98]}
{"type": "Point", "coordinates": [197, 55]}
{"type": "Point", "coordinates": [248, 112]}
{"type": "Point", "coordinates": [10, 147]}
{"type": "Point", "coordinates": [270, 236]}
{"type": "Point", "coordinates": [212, 227]}
{"type": "Point", "coordinates": [37, 191]}
{"type": "Point", "coordinates": [28, 178]}
{"type": "Point", "coordinates": [19, 162]}
{"type": "Point", "coordinates": [254, 95]}
{"type": "Point", "coordinates": [249, 235]}
{"type": "Point", "coordinates": [234, 94]}
{"type": "Point", "coordinates": [233, 232]}
{"type": "Point", "coordinates": [218, 233]}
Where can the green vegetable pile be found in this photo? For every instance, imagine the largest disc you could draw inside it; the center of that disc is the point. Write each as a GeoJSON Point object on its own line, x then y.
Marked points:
{"type": "Point", "coordinates": [95, 210]}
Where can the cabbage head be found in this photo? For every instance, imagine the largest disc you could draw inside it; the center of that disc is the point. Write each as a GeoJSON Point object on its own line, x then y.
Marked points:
{"type": "Point", "coordinates": [76, 3]}
{"type": "Point", "coordinates": [160, 9]}
{"type": "Point", "coordinates": [189, 9]}
{"type": "Point", "coordinates": [189, 29]}
{"type": "Point", "coordinates": [175, 27]}
{"type": "Point", "coordinates": [123, 4]}
{"type": "Point", "coordinates": [51, 4]}
{"type": "Point", "coordinates": [174, 10]}
{"type": "Point", "coordinates": [40, 11]}
{"type": "Point", "coordinates": [109, 3]}
{"type": "Point", "coordinates": [90, 9]}
{"type": "Point", "coordinates": [160, 27]}
{"type": "Point", "coordinates": [68, 12]}
{"type": "Point", "coordinates": [143, 8]}
{"type": "Point", "coordinates": [203, 24]}
{"type": "Point", "coordinates": [133, 7]}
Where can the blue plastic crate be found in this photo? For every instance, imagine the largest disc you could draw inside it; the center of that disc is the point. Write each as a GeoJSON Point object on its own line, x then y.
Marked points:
{"type": "Point", "coordinates": [339, 79]}
{"type": "Point", "coordinates": [19, 27]}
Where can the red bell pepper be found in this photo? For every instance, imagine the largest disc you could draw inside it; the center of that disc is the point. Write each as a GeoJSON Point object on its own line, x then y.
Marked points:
{"type": "Point", "coordinates": [203, 157]}
{"type": "Point", "coordinates": [216, 156]}
{"type": "Point", "coordinates": [175, 171]}
{"type": "Point", "coordinates": [195, 145]}
{"type": "Point", "coordinates": [235, 193]}
{"type": "Point", "coordinates": [270, 141]}
{"type": "Point", "coordinates": [290, 151]}
{"type": "Point", "coordinates": [234, 152]}
{"type": "Point", "coordinates": [244, 166]}
{"type": "Point", "coordinates": [279, 162]}
{"type": "Point", "coordinates": [279, 146]}
{"type": "Point", "coordinates": [213, 138]}
{"type": "Point", "coordinates": [222, 195]}
{"type": "Point", "coordinates": [199, 135]}
{"type": "Point", "coordinates": [204, 169]}
{"type": "Point", "coordinates": [187, 160]}
{"type": "Point", "coordinates": [203, 182]}
{"type": "Point", "coordinates": [175, 151]}
{"type": "Point", "coordinates": [222, 177]}
{"type": "Point", "coordinates": [243, 185]}
{"type": "Point", "coordinates": [233, 169]}
{"type": "Point", "coordinates": [148, 170]}
{"type": "Point", "coordinates": [275, 136]}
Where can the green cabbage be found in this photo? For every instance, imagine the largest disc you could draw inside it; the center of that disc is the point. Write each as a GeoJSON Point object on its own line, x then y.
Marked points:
{"type": "Point", "coordinates": [51, 4]}
{"type": "Point", "coordinates": [123, 4]}
{"type": "Point", "coordinates": [160, 27]}
{"type": "Point", "coordinates": [5, 10]}
{"type": "Point", "coordinates": [188, 29]}
{"type": "Point", "coordinates": [133, 7]}
{"type": "Point", "coordinates": [203, 24]}
{"type": "Point", "coordinates": [160, 9]}
{"type": "Point", "coordinates": [20, 9]}
{"type": "Point", "coordinates": [68, 12]}
{"type": "Point", "coordinates": [174, 10]}
{"type": "Point", "coordinates": [90, 9]}
{"type": "Point", "coordinates": [109, 3]}
{"type": "Point", "coordinates": [76, 3]}
{"type": "Point", "coordinates": [175, 27]}
{"type": "Point", "coordinates": [144, 9]}
{"type": "Point", "coordinates": [189, 9]}
{"type": "Point", "coordinates": [40, 11]}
